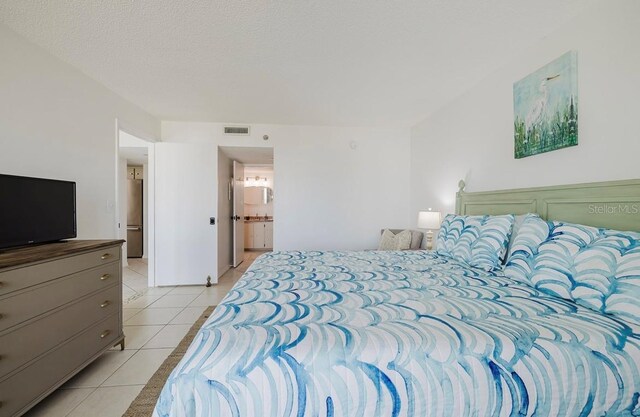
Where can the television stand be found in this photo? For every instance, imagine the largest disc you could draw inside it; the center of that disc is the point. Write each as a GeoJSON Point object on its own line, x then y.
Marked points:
{"type": "Point", "coordinates": [60, 309]}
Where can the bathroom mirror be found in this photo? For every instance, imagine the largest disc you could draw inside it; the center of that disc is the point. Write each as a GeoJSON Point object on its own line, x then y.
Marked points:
{"type": "Point", "coordinates": [258, 195]}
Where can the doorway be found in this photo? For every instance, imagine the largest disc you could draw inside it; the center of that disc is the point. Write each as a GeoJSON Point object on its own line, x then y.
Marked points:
{"type": "Point", "coordinates": [245, 204]}
{"type": "Point", "coordinates": [135, 211]}
{"type": "Point", "coordinates": [136, 218]}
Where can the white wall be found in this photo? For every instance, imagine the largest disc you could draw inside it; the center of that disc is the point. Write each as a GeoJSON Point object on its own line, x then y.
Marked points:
{"type": "Point", "coordinates": [472, 137]}
{"type": "Point", "coordinates": [329, 196]}
{"type": "Point", "coordinates": [59, 123]}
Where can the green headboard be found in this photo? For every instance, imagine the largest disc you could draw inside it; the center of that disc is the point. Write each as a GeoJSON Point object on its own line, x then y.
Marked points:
{"type": "Point", "coordinates": [614, 204]}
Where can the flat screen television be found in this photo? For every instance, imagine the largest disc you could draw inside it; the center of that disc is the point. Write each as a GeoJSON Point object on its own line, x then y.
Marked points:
{"type": "Point", "coordinates": [36, 210]}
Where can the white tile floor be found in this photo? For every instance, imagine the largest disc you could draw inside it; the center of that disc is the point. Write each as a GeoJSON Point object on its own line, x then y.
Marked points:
{"type": "Point", "coordinates": [155, 320]}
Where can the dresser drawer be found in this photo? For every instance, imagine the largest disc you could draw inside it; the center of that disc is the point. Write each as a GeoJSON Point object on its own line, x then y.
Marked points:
{"type": "Point", "coordinates": [19, 278]}
{"type": "Point", "coordinates": [50, 371]}
{"type": "Point", "coordinates": [26, 342]}
{"type": "Point", "coordinates": [15, 309]}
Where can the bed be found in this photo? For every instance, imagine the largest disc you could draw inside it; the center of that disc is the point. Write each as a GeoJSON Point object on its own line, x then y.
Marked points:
{"type": "Point", "coordinates": [412, 333]}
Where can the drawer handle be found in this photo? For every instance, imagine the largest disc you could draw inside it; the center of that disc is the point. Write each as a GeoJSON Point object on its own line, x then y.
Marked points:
{"type": "Point", "coordinates": [105, 334]}
{"type": "Point", "coordinates": [105, 277]}
{"type": "Point", "coordinates": [105, 256]}
{"type": "Point", "coordinates": [105, 303]}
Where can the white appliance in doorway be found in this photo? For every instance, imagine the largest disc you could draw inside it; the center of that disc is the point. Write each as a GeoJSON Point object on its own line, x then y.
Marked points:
{"type": "Point", "coordinates": [134, 213]}
{"type": "Point", "coordinates": [238, 213]}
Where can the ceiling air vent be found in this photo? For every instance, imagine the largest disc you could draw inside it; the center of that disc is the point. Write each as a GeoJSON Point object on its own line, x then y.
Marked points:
{"type": "Point", "coordinates": [236, 130]}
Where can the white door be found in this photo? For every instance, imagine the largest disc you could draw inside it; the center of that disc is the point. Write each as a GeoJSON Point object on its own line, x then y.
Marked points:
{"type": "Point", "coordinates": [238, 213]}
{"type": "Point", "coordinates": [186, 200]}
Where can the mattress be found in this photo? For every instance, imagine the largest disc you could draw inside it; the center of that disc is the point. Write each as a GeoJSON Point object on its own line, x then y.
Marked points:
{"type": "Point", "coordinates": [400, 334]}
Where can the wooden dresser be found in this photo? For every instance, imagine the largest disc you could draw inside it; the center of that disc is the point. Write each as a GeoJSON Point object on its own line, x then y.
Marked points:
{"type": "Point", "coordinates": [60, 308]}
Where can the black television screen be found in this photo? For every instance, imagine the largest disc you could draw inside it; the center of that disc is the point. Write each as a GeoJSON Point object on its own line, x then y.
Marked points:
{"type": "Point", "coordinates": [36, 210]}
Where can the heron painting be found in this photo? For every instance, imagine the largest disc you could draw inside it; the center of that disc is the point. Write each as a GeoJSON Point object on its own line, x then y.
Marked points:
{"type": "Point", "coordinates": [546, 108]}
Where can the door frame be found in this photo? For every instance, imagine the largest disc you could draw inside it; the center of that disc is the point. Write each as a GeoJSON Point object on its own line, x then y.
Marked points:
{"type": "Point", "coordinates": [121, 224]}
{"type": "Point", "coordinates": [238, 183]}
{"type": "Point", "coordinates": [225, 145]}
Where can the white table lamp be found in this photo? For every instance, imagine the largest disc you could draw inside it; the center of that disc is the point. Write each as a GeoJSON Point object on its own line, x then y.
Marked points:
{"type": "Point", "coordinates": [429, 220]}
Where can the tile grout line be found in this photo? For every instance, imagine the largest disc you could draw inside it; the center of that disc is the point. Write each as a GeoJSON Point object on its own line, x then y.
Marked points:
{"type": "Point", "coordinates": [94, 389]}
{"type": "Point", "coordinates": [116, 370]}
{"type": "Point", "coordinates": [83, 400]}
{"type": "Point", "coordinates": [101, 385]}
{"type": "Point", "coordinates": [136, 351]}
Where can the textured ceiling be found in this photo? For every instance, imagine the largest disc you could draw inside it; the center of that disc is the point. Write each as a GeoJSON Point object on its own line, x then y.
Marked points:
{"type": "Point", "coordinates": [323, 62]}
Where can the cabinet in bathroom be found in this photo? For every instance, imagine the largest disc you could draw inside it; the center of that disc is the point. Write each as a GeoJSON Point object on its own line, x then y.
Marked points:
{"type": "Point", "coordinates": [248, 235]}
{"type": "Point", "coordinates": [258, 235]}
{"type": "Point", "coordinates": [268, 235]}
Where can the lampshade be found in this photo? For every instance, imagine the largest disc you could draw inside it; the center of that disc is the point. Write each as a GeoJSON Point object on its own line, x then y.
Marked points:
{"type": "Point", "coordinates": [429, 220]}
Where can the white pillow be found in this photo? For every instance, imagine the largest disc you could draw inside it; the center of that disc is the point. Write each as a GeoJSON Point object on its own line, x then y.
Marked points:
{"type": "Point", "coordinates": [389, 241]}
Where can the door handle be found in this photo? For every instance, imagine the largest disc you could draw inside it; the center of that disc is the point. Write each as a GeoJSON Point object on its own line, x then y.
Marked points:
{"type": "Point", "coordinates": [134, 228]}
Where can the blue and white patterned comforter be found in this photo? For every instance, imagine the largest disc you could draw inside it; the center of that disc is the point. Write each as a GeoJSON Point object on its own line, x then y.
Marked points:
{"type": "Point", "coordinates": [400, 334]}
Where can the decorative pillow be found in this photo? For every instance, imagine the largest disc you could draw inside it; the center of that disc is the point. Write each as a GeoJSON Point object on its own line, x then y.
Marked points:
{"type": "Point", "coordinates": [480, 241]}
{"type": "Point", "coordinates": [596, 268]}
{"type": "Point", "coordinates": [389, 241]}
